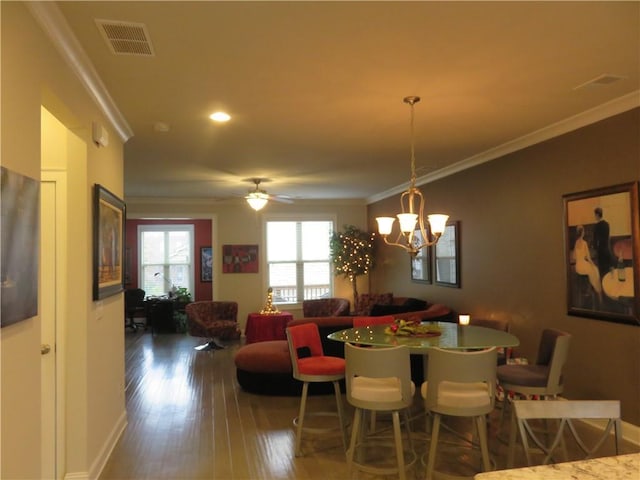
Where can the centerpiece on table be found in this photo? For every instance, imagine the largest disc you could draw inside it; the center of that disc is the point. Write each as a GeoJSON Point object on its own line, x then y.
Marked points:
{"type": "Point", "coordinates": [409, 328]}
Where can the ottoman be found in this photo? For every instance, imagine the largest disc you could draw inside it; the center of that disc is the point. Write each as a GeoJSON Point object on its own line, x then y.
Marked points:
{"type": "Point", "coordinates": [265, 368]}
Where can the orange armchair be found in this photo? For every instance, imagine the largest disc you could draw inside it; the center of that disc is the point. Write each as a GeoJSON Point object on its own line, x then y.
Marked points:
{"type": "Point", "coordinates": [213, 320]}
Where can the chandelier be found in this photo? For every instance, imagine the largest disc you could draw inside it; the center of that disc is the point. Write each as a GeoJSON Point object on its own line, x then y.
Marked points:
{"type": "Point", "coordinates": [411, 219]}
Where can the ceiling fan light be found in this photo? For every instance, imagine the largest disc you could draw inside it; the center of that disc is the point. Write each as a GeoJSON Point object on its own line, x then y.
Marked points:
{"type": "Point", "coordinates": [257, 200]}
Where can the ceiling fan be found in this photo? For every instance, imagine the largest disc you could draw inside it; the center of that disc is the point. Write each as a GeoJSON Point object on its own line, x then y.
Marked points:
{"type": "Point", "coordinates": [258, 198]}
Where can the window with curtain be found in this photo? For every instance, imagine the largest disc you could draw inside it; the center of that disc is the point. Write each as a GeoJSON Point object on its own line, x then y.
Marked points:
{"type": "Point", "coordinates": [298, 259]}
{"type": "Point", "coordinates": [166, 258]}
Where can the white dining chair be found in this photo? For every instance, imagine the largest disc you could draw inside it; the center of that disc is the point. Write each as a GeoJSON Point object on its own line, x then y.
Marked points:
{"type": "Point", "coordinates": [379, 380]}
{"type": "Point", "coordinates": [460, 384]}
{"type": "Point", "coordinates": [566, 413]}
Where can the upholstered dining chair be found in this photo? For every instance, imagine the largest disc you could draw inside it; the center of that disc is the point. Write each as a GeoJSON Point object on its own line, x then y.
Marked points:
{"type": "Point", "coordinates": [310, 364]}
{"type": "Point", "coordinates": [214, 320]}
{"type": "Point", "coordinates": [379, 380]}
{"type": "Point", "coordinates": [544, 378]}
{"type": "Point", "coordinates": [460, 384]}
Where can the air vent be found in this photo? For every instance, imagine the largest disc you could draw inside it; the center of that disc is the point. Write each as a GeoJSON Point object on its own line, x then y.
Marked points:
{"type": "Point", "coordinates": [126, 38]}
{"type": "Point", "coordinates": [601, 81]}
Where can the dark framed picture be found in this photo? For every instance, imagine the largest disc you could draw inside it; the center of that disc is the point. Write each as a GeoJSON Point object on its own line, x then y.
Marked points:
{"type": "Point", "coordinates": [240, 259]}
{"type": "Point", "coordinates": [421, 263]}
{"type": "Point", "coordinates": [109, 214]}
{"type": "Point", "coordinates": [447, 257]}
{"type": "Point", "coordinates": [206, 264]}
{"type": "Point", "coordinates": [601, 253]}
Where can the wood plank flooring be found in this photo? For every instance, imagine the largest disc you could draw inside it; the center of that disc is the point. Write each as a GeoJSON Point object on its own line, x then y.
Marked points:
{"type": "Point", "coordinates": [188, 419]}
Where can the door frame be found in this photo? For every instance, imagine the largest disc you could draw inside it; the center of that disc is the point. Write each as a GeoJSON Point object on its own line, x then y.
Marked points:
{"type": "Point", "coordinates": [59, 289]}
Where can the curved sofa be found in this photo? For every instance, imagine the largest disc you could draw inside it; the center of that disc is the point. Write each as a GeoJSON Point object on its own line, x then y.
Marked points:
{"type": "Point", "coordinates": [265, 367]}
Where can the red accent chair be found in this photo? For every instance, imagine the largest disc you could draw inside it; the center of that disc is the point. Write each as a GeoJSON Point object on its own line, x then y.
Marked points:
{"type": "Point", "coordinates": [311, 365]}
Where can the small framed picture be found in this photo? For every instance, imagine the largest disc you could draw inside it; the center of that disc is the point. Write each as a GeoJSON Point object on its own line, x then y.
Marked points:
{"type": "Point", "coordinates": [240, 259]}
{"type": "Point", "coordinates": [447, 256]}
{"type": "Point", "coordinates": [206, 264]}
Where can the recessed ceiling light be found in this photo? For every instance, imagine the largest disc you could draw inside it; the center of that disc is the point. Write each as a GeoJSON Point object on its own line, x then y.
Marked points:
{"type": "Point", "coordinates": [220, 117]}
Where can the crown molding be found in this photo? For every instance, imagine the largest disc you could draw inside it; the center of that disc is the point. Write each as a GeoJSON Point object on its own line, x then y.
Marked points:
{"type": "Point", "coordinates": [51, 20]}
{"type": "Point", "coordinates": [588, 117]}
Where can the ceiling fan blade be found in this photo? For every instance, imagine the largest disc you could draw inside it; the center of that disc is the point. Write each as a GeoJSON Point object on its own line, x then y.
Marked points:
{"type": "Point", "coordinates": [280, 199]}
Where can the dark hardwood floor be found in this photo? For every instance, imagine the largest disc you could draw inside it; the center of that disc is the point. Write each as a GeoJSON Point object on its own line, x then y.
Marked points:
{"type": "Point", "coordinates": [189, 419]}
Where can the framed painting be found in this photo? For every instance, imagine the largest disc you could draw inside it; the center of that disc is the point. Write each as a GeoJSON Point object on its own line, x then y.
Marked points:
{"type": "Point", "coordinates": [206, 264]}
{"type": "Point", "coordinates": [109, 214]}
{"type": "Point", "coordinates": [447, 257]}
{"type": "Point", "coordinates": [19, 246]}
{"type": "Point", "coordinates": [601, 253]}
{"type": "Point", "coordinates": [421, 263]}
{"type": "Point", "coordinates": [240, 259]}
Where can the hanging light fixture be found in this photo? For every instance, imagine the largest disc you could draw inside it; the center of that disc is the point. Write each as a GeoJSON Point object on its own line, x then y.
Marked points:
{"type": "Point", "coordinates": [257, 198]}
{"type": "Point", "coordinates": [411, 218]}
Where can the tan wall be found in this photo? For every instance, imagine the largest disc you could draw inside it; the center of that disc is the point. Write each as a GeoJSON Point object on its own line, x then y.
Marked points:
{"type": "Point", "coordinates": [238, 224]}
{"type": "Point", "coordinates": [512, 251]}
{"type": "Point", "coordinates": [34, 75]}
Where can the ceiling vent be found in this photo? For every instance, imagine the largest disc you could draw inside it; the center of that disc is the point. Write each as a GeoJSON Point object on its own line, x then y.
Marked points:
{"type": "Point", "coordinates": [126, 38]}
{"type": "Point", "coordinates": [600, 81]}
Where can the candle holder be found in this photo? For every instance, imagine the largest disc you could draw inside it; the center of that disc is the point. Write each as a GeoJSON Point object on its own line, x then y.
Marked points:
{"type": "Point", "coordinates": [464, 319]}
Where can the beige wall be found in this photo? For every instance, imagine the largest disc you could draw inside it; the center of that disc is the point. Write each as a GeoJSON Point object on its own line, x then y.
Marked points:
{"type": "Point", "coordinates": [236, 223]}
{"type": "Point", "coordinates": [512, 251]}
{"type": "Point", "coordinates": [92, 349]}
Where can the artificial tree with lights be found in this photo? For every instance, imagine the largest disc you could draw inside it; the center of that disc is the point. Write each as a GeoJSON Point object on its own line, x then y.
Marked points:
{"type": "Point", "coordinates": [352, 255]}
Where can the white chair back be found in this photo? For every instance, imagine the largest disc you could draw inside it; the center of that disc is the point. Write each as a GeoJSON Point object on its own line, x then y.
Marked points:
{"type": "Point", "coordinates": [461, 383]}
{"type": "Point", "coordinates": [566, 412]}
{"type": "Point", "coordinates": [378, 378]}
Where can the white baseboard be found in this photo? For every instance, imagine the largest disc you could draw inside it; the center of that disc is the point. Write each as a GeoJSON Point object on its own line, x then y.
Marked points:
{"type": "Point", "coordinates": [630, 432]}
{"type": "Point", "coordinates": [104, 454]}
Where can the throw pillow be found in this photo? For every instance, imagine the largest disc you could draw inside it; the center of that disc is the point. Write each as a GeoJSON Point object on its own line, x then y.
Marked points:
{"type": "Point", "coordinates": [366, 301]}
{"type": "Point", "coordinates": [415, 304]}
{"type": "Point", "coordinates": [380, 310]}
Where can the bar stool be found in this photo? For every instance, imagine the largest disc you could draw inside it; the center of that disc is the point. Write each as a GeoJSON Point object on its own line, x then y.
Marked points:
{"type": "Point", "coordinates": [311, 365]}
{"type": "Point", "coordinates": [544, 379]}
{"type": "Point", "coordinates": [379, 380]}
{"type": "Point", "coordinates": [460, 384]}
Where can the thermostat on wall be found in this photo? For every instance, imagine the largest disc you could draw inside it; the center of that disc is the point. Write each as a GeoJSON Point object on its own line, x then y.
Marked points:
{"type": "Point", "coordinates": [100, 135]}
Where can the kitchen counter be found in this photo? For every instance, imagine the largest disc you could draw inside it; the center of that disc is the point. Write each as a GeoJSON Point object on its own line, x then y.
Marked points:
{"type": "Point", "coordinates": [618, 467]}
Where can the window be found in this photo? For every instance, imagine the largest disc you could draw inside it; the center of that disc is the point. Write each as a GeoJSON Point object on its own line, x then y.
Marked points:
{"type": "Point", "coordinates": [298, 260]}
{"type": "Point", "coordinates": [166, 258]}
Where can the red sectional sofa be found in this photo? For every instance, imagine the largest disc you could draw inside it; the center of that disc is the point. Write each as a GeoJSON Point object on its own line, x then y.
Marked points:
{"type": "Point", "coordinates": [265, 367]}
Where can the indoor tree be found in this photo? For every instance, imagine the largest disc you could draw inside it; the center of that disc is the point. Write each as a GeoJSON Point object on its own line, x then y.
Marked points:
{"type": "Point", "coordinates": [352, 255]}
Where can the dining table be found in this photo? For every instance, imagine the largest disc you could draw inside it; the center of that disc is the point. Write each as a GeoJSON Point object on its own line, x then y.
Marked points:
{"type": "Point", "coordinates": [447, 335]}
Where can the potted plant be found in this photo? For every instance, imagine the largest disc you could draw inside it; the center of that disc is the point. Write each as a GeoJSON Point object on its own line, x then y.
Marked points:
{"type": "Point", "coordinates": [352, 255]}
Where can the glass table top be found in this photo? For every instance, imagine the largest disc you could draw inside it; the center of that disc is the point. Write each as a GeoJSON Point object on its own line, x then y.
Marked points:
{"type": "Point", "coordinates": [452, 336]}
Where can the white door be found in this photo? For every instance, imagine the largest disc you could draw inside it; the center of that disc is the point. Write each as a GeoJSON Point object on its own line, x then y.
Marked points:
{"type": "Point", "coordinates": [48, 327]}
{"type": "Point", "coordinates": [52, 238]}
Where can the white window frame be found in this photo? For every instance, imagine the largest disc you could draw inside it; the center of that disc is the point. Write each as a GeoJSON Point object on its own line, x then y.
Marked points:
{"type": "Point", "coordinates": [177, 227]}
{"type": "Point", "coordinates": [295, 218]}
